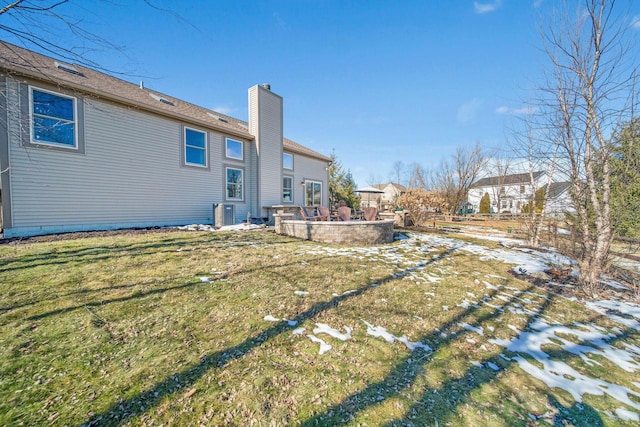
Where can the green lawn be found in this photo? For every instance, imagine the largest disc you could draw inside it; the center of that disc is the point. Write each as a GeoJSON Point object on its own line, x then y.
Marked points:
{"type": "Point", "coordinates": [173, 328]}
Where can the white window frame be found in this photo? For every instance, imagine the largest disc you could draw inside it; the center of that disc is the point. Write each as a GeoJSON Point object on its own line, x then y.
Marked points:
{"type": "Point", "coordinates": [283, 162]}
{"type": "Point", "coordinates": [226, 186]}
{"type": "Point", "coordinates": [226, 149]}
{"type": "Point", "coordinates": [290, 178]}
{"type": "Point", "coordinates": [306, 199]}
{"type": "Point", "coordinates": [33, 114]}
{"type": "Point", "coordinates": [205, 149]}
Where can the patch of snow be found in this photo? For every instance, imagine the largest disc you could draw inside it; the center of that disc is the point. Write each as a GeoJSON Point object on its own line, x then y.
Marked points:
{"type": "Point", "coordinates": [379, 331]}
{"type": "Point", "coordinates": [301, 293]}
{"type": "Point", "coordinates": [477, 329]}
{"type": "Point", "coordinates": [205, 279]}
{"type": "Point", "coordinates": [611, 309]}
{"type": "Point", "coordinates": [493, 366]}
{"type": "Point", "coordinates": [556, 373]}
{"type": "Point", "coordinates": [207, 227]}
{"type": "Point", "coordinates": [298, 331]}
{"type": "Point", "coordinates": [413, 345]}
{"type": "Point", "coordinates": [323, 328]}
{"type": "Point", "coordinates": [270, 318]}
{"type": "Point", "coordinates": [324, 347]}
{"type": "Point", "coordinates": [625, 414]}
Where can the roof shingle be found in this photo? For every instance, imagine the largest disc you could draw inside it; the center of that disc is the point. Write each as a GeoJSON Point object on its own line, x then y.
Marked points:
{"type": "Point", "coordinates": [24, 63]}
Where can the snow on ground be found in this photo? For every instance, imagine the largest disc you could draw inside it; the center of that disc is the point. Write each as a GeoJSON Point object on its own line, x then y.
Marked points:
{"type": "Point", "coordinates": [206, 227]}
{"type": "Point", "coordinates": [591, 344]}
{"type": "Point", "coordinates": [379, 331]}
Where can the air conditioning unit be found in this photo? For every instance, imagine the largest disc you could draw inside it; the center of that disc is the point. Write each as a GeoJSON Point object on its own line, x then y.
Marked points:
{"type": "Point", "coordinates": [223, 214]}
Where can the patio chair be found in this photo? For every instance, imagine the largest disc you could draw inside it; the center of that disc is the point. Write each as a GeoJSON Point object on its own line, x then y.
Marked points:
{"type": "Point", "coordinates": [344, 213]}
{"type": "Point", "coordinates": [370, 213]}
{"type": "Point", "coordinates": [306, 216]}
{"type": "Point", "coordinates": [323, 213]}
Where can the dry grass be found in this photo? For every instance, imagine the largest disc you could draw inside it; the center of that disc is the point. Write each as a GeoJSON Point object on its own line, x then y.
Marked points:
{"type": "Point", "coordinates": [122, 330]}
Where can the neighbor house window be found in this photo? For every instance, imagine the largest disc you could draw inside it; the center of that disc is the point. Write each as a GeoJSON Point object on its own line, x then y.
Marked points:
{"type": "Point", "coordinates": [234, 149]}
{"type": "Point", "coordinates": [502, 191]}
{"type": "Point", "coordinates": [522, 189]}
{"type": "Point", "coordinates": [234, 184]}
{"type": "Point", "coordinates": [287, 161]}
{"type": "Point", "coordinates": [53, 118]}
{"type": "Point", "coordinates": [312, 193]}
{"type": "Point", "coordinates": [287, 189]}
{"type": "Point", "coordinates": [195, 147]}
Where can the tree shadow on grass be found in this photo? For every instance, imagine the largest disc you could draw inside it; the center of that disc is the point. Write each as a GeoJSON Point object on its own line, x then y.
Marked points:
{"type": "Point", "coordinates": [122, 411]}
{"type": "Point", "coordinates": [106, 251]}
{"type": "Point", "coordinates": [95, 254]}
{"type": "Point", "coordinates": [451, 394]}
{"type": "Point", "coordinates": [141, 294]}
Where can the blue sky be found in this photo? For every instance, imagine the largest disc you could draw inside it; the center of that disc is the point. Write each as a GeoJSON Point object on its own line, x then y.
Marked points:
{"type": "Point", "coordinates": [376, 81]}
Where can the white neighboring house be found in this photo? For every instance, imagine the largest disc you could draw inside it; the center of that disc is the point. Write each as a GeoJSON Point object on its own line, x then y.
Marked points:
{"type": "Point", "coordinates": [82, 150]}
{"type": "Point", "coordinates": [390, 192]}
{"type": "Point", "coordinates": [511, 193]}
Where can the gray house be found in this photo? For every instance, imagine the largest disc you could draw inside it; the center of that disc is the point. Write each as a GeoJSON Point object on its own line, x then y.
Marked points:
{"type": "Point", "coordinates": [82, 150]}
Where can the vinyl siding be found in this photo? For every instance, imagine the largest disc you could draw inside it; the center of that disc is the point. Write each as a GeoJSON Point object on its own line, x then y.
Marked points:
{"type": "Point", "coordinates": [131, 173]}
{"type": "Point", "coordinates": [307, 168]}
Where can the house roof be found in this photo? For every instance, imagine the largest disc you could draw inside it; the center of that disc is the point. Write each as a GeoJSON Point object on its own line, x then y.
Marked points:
{"type": "Point", "coordinates": [20, 62]}
{"type": "Point", "coordinates": [399, 187]}
{"type": "Point", "coordinates": [557, 188]}
{"type": "Point", "coordinates": [293, 146]}
{"type": "Point", "coordinates": [519, 178]}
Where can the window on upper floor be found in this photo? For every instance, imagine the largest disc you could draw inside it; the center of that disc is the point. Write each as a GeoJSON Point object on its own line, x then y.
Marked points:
{"type": "Point", "coordinates": [502, 191]}
{"type": "Point", "coordinates": [195, 147]}
{"type": "Point", "coordinates": [54, 119]}
{"type": "Point", "coordinates": [287, 161]}
{"type": "Point", "coordinates": [287, 189]}
{"type": "Point", "coordinates": [234, 184]}
{"type": "Point", "coordinates": [234, 149]}
{"type": "Point", "coordinates": [522, 188]}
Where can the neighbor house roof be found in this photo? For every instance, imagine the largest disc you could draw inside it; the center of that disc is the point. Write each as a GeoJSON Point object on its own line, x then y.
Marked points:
{"type": "Point", "coordinates": [399, 187]}
{"type": "Point", "coordinates": [20, 62]}
{"type": "Point", "coordinates": [557, 188]}
{"type": "Point", "coordinates": [520, 178]}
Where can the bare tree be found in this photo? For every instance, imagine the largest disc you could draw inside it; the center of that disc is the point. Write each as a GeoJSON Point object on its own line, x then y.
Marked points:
{"type": "Point", "coordinates": [501, 167]}
{"type": "Point", "coordinates": [397, 172]}
{"type": "Point", "coordinates": [588, 94]}
{"type": "Point", "coordinates": [455, 175]}
{"type": "Point", "coordinates": [528, 144]}
{"type": "Point", "coordinates": [418, 176]}
{"type": "Point", "coordinates": [48, 26]}
{"type": "Point", "coordinates": [43, 24]}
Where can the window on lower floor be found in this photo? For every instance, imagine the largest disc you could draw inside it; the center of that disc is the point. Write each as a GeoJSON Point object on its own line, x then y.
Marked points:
{"type": "Point", "coordinates": [234, 184]}
{"type": "Point", "coordinates": [53, 118]}
{"type": "Point", "coordinates": [287, 189]}
{"type": "Point", "coordinates": [312, 193]}
{"type": "Point", "coordinates": [195, 147]}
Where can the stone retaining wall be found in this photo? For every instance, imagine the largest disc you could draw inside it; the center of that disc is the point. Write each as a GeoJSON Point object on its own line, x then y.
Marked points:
{"type": "Point", "coordinates": [343, 232]}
